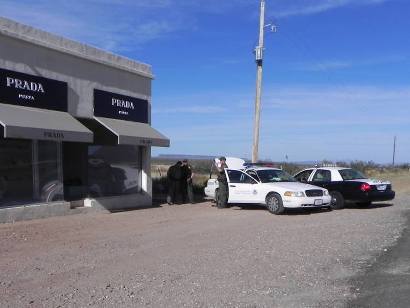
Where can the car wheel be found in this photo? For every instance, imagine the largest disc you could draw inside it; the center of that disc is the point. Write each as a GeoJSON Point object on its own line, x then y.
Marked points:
{"type": "Point", "coordinates": [274, 204]}
{"type": "Point", "coordinates": [364, 204]}
{"type": "Point", "coordinates": [337, 202]}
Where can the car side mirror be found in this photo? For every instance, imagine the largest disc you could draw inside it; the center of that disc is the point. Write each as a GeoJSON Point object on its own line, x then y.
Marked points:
{"type": "Point", "coordinates": [303, 180]}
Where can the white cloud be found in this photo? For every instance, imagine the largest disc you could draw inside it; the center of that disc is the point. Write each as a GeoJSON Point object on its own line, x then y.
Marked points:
{"type": "Point", "coordinates": [376, 99]}
{"type": "Point", "coordinates": [108, 24]}
{"type": "Point", "coordinates": [325, 66]}
{"type": "Point", "coordinates": [190, 109]}
{"type": "Point", "coordinates": [120, 25]}
{"type": "Point", "coordinates": [309, 7]}
{"type": "Point", "coordinates": [305, 122]}
{"type": "Point", "coordinates": [331, 65]}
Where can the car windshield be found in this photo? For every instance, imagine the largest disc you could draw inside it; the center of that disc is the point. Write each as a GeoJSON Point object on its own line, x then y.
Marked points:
{"type": "Point", "coordinates": [272, 176]}
{"type": "Point", "coordinates": [351, 174]}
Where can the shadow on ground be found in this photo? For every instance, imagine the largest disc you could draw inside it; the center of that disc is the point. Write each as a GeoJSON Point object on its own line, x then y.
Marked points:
{"type": "Point", "coordinates": [370, 207]}
{"type": "Point", "coordinates": [291, 212]}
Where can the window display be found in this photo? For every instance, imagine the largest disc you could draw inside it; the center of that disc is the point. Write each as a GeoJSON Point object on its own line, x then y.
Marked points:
{"type": "Point", "coordinates": [114, 170]}
{"type": "Point", "coordinates": [30, 171]}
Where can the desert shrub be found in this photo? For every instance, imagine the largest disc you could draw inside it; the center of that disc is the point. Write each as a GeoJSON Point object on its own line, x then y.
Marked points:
{"type": "Point", "coordinates": [292, 168]}
{"type": "Point", "coordinates": [364, 167]}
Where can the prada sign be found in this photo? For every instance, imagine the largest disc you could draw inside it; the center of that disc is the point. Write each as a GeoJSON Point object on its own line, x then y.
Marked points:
{"type": "Point", "coordinates": [32, 91]}
{"type": "Point", "coordinates": [120, 107]}
{"type": "Point", "coordinates": [53, 135]}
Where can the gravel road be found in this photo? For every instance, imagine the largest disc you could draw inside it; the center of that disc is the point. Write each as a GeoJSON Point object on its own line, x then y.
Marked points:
{"type": "Point", "coordinates": [195, 256]}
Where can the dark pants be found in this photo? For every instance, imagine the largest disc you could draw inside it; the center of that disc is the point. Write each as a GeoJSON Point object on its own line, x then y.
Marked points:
{"type": "Point", "coordinates": [184, 188]}
{"type": "Point", "coordinates": [222, 200]}
{"type": "Point", "coordinates": [174, 189]}
{"type": "Point", "coordinates": [187, 190]}
{"type": "Point", "coordinates": [190, 190]}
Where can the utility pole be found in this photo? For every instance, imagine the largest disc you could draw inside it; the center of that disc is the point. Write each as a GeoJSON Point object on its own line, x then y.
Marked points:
{"type": "Point", "coordinates": [259, 60]}
{"type": "Point", "coordinates": [394, 149]}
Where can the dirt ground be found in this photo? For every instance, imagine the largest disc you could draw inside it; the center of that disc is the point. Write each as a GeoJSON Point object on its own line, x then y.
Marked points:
{"type": "Point", "coordinates": [196, 256]}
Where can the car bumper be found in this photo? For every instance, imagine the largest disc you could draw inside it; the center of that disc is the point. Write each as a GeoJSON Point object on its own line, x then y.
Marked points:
{"type": "Point", "coordinates": [376, 196]}
{"type": "Point", "coordinates": [306, 202]}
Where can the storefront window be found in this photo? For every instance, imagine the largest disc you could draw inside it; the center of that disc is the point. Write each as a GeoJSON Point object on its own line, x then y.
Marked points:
{"type": "Point", "coordinates": [16, 172]}
{"type": "Point", "coordinates": [30, 171]}
{"type": "Point", "coordinates": [114, 170]}
{"type": "Point", "coordinates": [49, 171]}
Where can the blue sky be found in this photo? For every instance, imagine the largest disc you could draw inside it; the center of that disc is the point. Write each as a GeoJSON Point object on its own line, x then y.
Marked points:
{"type": "Point", "coordinates": [336, 74]}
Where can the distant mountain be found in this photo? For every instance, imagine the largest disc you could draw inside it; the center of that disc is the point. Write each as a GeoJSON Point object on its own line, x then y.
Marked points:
{"type": "Point", "coordinates": [210, 157]}
{"type": "Point", "coordinates": [184, 156]}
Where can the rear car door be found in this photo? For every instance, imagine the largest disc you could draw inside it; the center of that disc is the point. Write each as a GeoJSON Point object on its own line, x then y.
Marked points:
{"type": "Point", "coordinates": [321, 177]}
{"type": "Point", "coordinates": [242, 187]}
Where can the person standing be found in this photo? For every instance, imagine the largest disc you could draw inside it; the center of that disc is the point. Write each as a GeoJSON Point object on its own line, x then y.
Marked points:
{"type": "Point", "coordinates": [174, 176]}
{"type": "Point", "coordinates": [186, 182]}
{"type": "Point", "coordinates": [222, 194]}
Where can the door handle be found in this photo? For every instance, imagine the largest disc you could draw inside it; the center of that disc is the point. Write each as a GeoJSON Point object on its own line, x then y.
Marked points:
{"type": "Point", "coordinates": [232, 185]}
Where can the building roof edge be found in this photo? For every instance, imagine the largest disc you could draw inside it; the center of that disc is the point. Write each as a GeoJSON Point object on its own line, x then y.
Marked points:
{"type": "Point", "coordinates": [46, 39]}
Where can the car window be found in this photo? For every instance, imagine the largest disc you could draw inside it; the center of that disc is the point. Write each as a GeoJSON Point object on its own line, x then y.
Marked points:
{"type": "Point", "coordinates": [236, 176]}
{"type": "Point", "coordinates": [273, 175]}
{"type": "Point", "coordinates": [253, 174]}
{"type": "Point", "coordinates": [246, 179]}
{"type": "Point", "coordinates": [351, 174]}
{"type": "Point", "coordinates": [304, 175]}
{"type": "Point", "coordinates": [322, 176]}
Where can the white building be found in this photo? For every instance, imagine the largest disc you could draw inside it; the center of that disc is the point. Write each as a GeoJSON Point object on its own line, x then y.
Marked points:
{"type": "Point", "coordinates": [74, 126]}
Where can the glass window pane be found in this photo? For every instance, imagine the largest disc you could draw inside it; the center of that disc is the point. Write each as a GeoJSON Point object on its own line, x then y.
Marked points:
{"type": "Point", "coordinates": [321, 176]}
{"type": "Point", "coordinates": [16, 172]}
{"type": "Point", "coordinates": [234, 176]}
{"type": "Point", "coordinates": [113, 170]}
{"type": "Point", "coordinates": [50, 183]}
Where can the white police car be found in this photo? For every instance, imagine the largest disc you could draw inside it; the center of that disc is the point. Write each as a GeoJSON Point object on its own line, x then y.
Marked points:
{"type": "Point", "coordinates": [271, 187]}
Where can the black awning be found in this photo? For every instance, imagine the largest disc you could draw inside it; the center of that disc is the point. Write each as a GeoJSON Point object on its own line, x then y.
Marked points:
{"type": "Point", "coordinates": [114, 131]}
{"type": "Point", "coordinates": [33, 123]}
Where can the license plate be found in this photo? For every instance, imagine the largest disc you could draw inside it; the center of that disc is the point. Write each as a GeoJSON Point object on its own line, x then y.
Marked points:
{"type": "Point", "coordinates": [381, 187]}
{"type": "Point", "coordinates": [318, 202]}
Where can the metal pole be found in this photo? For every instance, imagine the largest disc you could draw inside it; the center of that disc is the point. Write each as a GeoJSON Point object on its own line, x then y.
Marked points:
{"type": "Point", "coordinates": [394, 149]}
{"type": "Point", "coordinates": [259, 60]}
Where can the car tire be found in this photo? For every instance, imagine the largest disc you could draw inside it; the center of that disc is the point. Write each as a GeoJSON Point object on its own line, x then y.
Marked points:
{"type": "Point", "coordinates": [364, 204]}
{"type": "Point", "coordinates": [337, 202]}
{"type": "Point", "coordinates": [274, 204]}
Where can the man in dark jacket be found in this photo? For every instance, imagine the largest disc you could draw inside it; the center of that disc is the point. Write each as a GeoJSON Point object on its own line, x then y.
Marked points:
{"type": "Point", "coordinates": [174, 176]}
{"type": "Point", "coordinates": [186, 182]}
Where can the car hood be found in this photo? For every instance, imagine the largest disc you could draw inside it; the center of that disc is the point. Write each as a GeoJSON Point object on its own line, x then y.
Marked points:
{"type": "Point", "coordinates": [370, 181]}
{"type": "Point", "coordinates": [294, 186]}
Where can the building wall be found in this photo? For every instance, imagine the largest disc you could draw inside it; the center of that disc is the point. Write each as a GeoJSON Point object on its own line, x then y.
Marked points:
{"type": "Point", "coordinates": [81, 75]}
{"type": "Point", "coordinates": [84, 68]}
{"type": "Point", "coordinates": [33, 51]}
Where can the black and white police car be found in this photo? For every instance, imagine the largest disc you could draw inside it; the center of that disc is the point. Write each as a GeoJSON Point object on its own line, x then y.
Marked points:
{"type": "Point", "coordinates": [347, 184]}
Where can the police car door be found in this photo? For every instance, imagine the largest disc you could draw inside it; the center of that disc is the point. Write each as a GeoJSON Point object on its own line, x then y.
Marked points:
{"type": "Point", "coordinates": [241, 187]}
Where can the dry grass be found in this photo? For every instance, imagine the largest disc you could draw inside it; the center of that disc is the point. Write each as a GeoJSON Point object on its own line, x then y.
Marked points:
{"type": "Point", "coordinates": [400, 180]}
